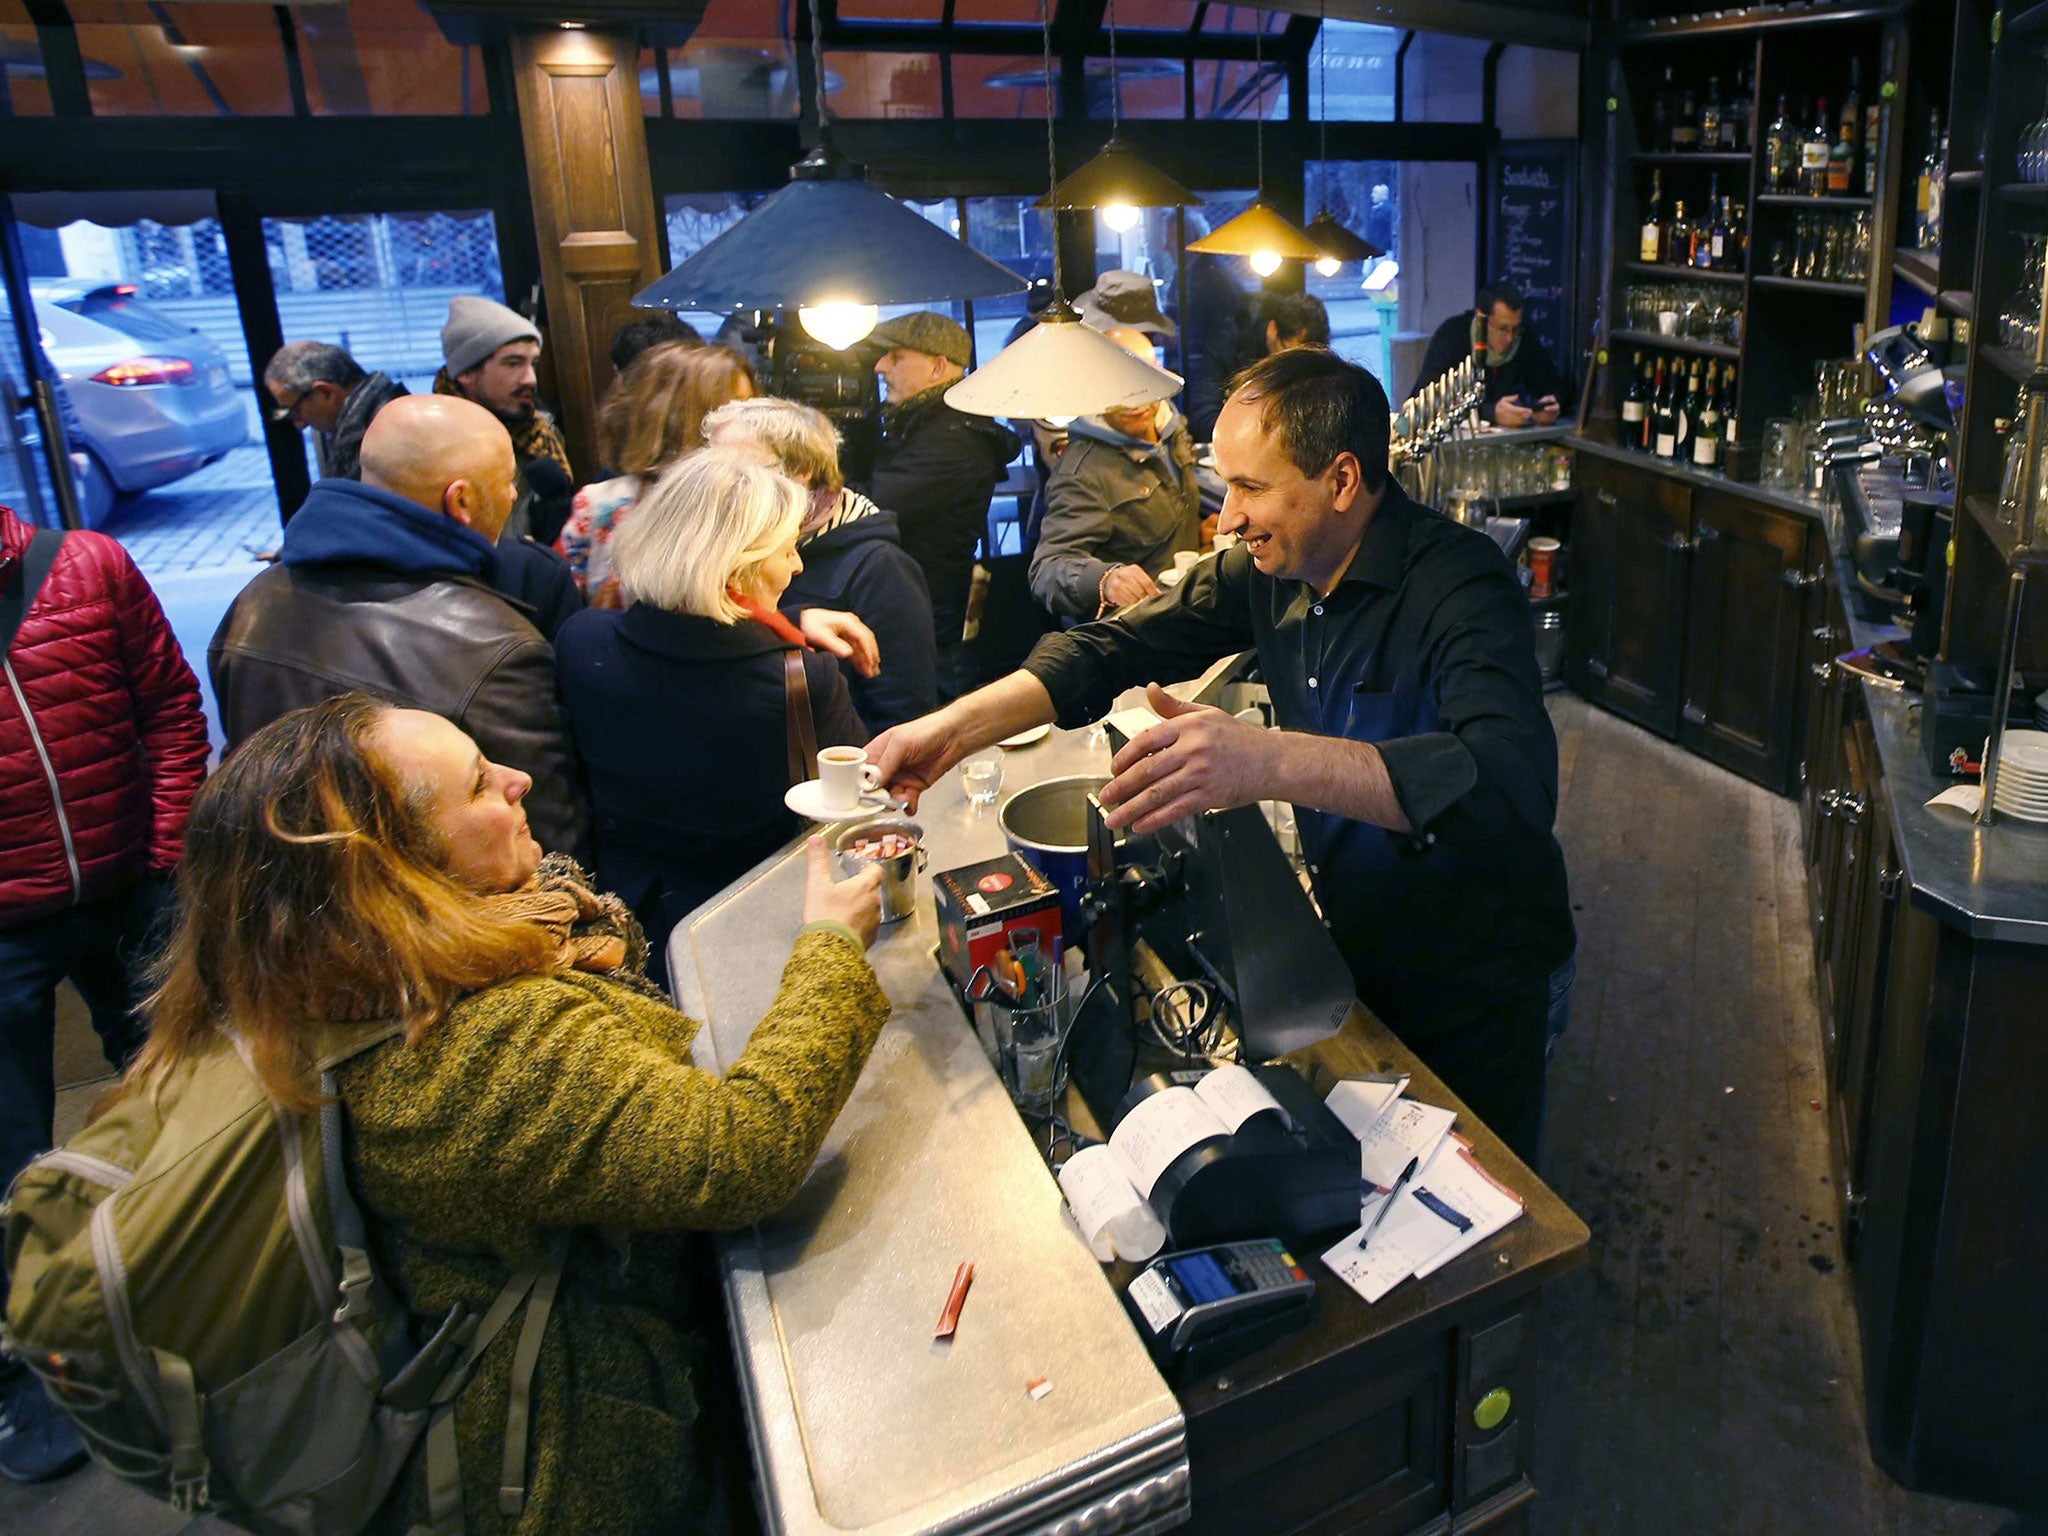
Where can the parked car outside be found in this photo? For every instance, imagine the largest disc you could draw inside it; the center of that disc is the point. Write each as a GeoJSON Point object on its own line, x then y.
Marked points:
{"type": "Point", "coordinates": [151, 399]}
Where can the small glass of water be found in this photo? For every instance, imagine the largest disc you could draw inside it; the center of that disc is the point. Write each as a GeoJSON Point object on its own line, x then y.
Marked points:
{"type": "Point", "coordinates": [982, 777]}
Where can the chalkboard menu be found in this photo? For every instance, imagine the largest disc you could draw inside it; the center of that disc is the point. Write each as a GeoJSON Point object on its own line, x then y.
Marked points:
{"type": "Point", "coordinates": [1532, 237]}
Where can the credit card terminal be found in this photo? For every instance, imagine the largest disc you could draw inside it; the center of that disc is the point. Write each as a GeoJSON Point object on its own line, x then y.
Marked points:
{"type": "Point", "coordinates": [1204, 1307]}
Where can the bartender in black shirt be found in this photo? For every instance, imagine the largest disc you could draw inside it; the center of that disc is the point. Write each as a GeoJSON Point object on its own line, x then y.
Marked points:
{"type": "Point", "coordinates": [1400, 656]}
{"type": "Point", "coordinates": [1521, 385]}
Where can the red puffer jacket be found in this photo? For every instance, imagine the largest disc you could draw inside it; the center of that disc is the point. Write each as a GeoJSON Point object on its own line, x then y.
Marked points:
{"type": "Point", "coordinates": [102, 740]}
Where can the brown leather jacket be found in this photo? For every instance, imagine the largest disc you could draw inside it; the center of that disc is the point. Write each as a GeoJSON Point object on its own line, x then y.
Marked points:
{"type": "Point", "coordinates": [443, 642]}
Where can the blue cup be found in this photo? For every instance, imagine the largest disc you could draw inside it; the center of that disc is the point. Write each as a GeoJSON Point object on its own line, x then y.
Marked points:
{"type": "Point", "coordinates": [1047, 826]}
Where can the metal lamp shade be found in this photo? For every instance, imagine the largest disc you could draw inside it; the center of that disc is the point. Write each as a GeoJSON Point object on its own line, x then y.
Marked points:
{"type": "Point", "coordinates": [833, 240]}
{"type": "Point", "coordinates": [1259, 228]}
{"type": "Point", "coordinates": [1061, 367]}
{"type": "Point", "coordinates": [1339, 243]}
{"type": "Point", "coordinates": [1119, 174]}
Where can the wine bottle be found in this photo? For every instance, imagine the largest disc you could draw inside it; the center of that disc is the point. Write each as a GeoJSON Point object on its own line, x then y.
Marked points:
{"type": "Point", "coordinates": [1650, 247]}
{"type": "Point", "coordinates": [1706, 438]}
{"type": "Point", "coordinates": [1728, 415]}
{"type": "Point", "coordinates": [1713, 249]}
{"type": "Point", "coordinates": [1710, 116]}
{"type": "Point", "coordinates": [1685, 123]}
{"type": "Point", "coordinates": [1780, 154]}
{"type": "Point", "coordinates": [1635, 405]}
{"type": "Point", "coordinates": [1678, 237]}
{"type": "Point", "coordinates": [1664, 428]}
{"type": "Point", "coordinates": [1661, 108]}
{"type": "Point", "coordinates": [1735, 121]}
{"type": "Point", "coordinates": [1850, 132]}
{"type": "Point", "coordinates": [1813, 154]}
{"type": "Point", "coordinates": [1689, 413]}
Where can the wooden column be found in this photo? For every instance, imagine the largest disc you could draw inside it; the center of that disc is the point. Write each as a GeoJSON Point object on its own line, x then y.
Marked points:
{"type": "Point", "coordinates": [593, 206]}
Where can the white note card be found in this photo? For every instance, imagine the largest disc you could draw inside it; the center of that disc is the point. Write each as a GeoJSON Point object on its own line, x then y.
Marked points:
{"type": "Point", "coordinates": [1360, 1102]}
{"type": "Point", "coordinates": [1409, 1131]}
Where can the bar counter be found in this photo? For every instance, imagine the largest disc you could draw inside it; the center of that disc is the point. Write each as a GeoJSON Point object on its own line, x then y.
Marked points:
{"type": "Point", "coordinates": [860, 1422]}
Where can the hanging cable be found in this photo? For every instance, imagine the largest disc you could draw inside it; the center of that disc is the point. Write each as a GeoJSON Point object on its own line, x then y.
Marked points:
{"type": "Point", "coordinates": [1052, 162]}
{"type": "Point", "coordinates": [1116, 90]}
{"type": "Point", "coordinates": [818, 70]}
{"type": "Point", "coordinates": [1258, 91]}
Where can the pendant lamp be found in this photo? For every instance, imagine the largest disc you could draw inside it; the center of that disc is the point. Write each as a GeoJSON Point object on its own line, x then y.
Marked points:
{"type": "Point", "coordinates": [1060, 367]}
{"type": "Point", "coordinates": [1339, 244]}
{"type": "Point", "coordinates": [830, 247]}
{"type": "Point", "coordinates": [1262, 233]}
{"type": "Point", "coordinates": [1119, 181]}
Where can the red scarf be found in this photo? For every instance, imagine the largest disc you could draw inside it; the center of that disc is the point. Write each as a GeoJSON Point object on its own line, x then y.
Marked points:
{"type": "Point", "coordinates": [761, 613]}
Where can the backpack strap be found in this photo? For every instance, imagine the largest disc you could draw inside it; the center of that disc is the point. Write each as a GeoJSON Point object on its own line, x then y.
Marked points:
{"type": "Point", "coordinates": [17, 597]}
{"type": "Point", "coordinates": [796, 719]}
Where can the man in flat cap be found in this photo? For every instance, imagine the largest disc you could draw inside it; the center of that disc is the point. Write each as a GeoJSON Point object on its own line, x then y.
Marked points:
{"type": "Point", "coordinates": [488, 353]}
{"type": "Point", "coordinates": [937, 467]}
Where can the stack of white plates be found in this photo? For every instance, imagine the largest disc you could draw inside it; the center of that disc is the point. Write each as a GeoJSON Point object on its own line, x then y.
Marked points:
{"type": "Point", "coordinates": [2023, 776]}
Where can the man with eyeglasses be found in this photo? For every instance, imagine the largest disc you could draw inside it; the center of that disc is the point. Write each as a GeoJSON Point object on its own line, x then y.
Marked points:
{"type": "Point", "coordinates": [318, 387]}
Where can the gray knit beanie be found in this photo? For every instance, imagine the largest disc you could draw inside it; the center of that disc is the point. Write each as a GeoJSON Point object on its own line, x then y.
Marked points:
{"type": "Point", "coordinates": [476, 328]}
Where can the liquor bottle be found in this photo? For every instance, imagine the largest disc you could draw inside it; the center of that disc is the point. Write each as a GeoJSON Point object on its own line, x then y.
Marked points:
{"type": "Point", "coordinates": [1714, 250]}
{"type": "Point", "coordinates": [1664, 414]}
{"type": "Point", "coordinates": [1728, 415]}
{"type": "Point", "coordinates": [1661, 107]}
{"type": "Point", "coordinates": [1738, 227]}
{"type": "Point", "coordinates": [1651, 245]}
{"type": "Point", "coordinates": [1842, 162]}
{"type": "Point", "coordinates": [1927, 234]}
{"type": "Point", "coordinates": [1706, 437]}
{"type": "Point", "coordinates": [1780, 153]}
{"type": "Point", "coordinates": [1813, 153]}
{"type": "Point", "coordinates": [1735, 121]}
{"type": "Point", "coordinates": [1710, 116]}
{"type": "Point", "coordinates": [1685, 123]}
{"type": "Point", "coordinates": [1678, 237]}
{"type": "Point", "coordinates": [1873, 127]}
{"type": "Point", "coordinates": [1635, 405]}
{"type": "Point", "coordinates": [1850, 130]}
{"type": "Point", "coordinates": [1689, 413]}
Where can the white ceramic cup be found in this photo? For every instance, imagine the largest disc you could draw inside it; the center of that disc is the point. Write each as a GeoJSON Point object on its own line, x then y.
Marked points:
{"type": "Point", "coordinates": [1184, 560]}
{"type": "Point", "coordinates": [845, 775]}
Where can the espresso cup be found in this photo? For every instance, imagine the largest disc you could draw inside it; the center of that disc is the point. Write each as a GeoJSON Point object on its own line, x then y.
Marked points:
{"type": "Point", "coordinates": [845, 774]}
{"type": "Point", "coordinates": [1184, 560]}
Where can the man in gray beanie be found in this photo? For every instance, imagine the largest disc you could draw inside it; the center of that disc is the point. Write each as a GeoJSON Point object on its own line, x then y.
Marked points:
{"type": "Point", "coordinates": [488, 353]}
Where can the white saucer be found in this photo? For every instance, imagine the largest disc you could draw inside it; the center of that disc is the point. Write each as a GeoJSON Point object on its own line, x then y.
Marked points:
{"type": "Point", "coordinates": [808, 801]}
{"type": "Point", "coordinates": [1037, 733]}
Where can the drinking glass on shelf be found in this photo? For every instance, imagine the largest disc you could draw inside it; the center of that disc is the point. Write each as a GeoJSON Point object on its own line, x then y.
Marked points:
{"type": "Point", "coordinates": [2033, 149]}
{"type": "Point", "coordinates": [1781, 257]}
{"type": "Point", "coordinates": [1833, 263]}
{"type": "Point", "coordinates": [1784, 461]}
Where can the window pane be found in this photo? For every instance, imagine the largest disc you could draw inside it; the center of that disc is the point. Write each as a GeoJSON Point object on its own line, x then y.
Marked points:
{"type": "Point", "coordinates": [1231, 88]}
{"type": "Point", "coordinates": [1365, 197]}
{"type": "Point", "coordinates": [988, 85]}
{"type": "Point", "coordinates": [1147, 87]}
{"type": "Point", "coordinates": [895, 85]}
{"type": "Point", "coordinates": [1243, 19]}
{"type": "Point", "coordinates": [1011, 231]}
{"type": "Point", "coordinates": [201, 61]}
{"type": "Point", "coordinates": [386, 56]}
{"type": "Point", "coordinates": [23, 90]}
{"type": "Point", "coordinates": [1446, 79]}
{"type": "Point", "coordinates": [1351, 73]}
{"type": "Point", "coordinates": [694, 220]}
{"type": "Point", "coordinates": [725, 80]}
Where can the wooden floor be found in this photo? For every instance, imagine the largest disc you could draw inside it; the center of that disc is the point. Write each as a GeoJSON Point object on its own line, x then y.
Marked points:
{"type": "Point", "coordinates": [1701, 1374]}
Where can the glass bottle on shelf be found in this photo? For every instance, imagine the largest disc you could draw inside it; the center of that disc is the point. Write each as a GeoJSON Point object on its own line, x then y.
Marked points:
{"type": "Point", "coordinates": [1813, 154]}
{"type": "Point", "coordinates": [1842, 162]}
{"type": "Point", "coordinates": [1735, 121]}
{"type": "Point", "coordinates": [1703, 242]}
{"type": "Point", "coordinates": [1661, 107]}
{"type": "Point", "coordinates": [1850, 131]}
{"type": "Point", "coordinates": [1635, 405]}
{"type": "Point", "coordinates": [1650, 247]}
{"type": "Point", "coordinates": [1710, 116]}
{"type": "Point", "coordinates": [1664, 414]}
{"type": "Point", "coordinates": [1728, 423]}
{"type": "Point", "coordinates": [1685, 123]}
{"type": "Point", "coordinates": [1927, 196]}
{"type": "Point", "coordinates": [1781, 155]}
{"type": "Point", "coordinates": [1706, 438]}
{"type": "Point", "coordinates": [1718, 242]}
{"type": "Point", "coordinates": [1738, 225]}
{"type": "Point", "coordinates": [1873, 129]}
{"type": "Point", "coordinates": [1678, 237]}
{"type": "Point", "coordinates": [2015, 471]}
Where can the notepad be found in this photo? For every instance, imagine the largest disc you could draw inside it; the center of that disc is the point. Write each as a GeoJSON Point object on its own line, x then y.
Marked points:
{"type": "Point", "coordinates": [1450, 1207]}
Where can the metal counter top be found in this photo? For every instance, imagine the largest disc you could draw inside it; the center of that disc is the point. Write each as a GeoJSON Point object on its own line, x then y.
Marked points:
{"type": "Point", "coordinates": [861, 1421]}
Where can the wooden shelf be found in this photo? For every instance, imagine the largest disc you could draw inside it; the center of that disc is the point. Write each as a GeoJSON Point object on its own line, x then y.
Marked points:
{"type": "Point", "coordinates": [1812, 285]}
{"type": "Point", "coordinates": [1985, 510]}
{"type": "Point", "coordinates": [2014, 365]}
{"type": "Point", "coordinates": [1920, 269]}
{"type": "Point", "coordinates": [1958, 301]}
{"type": "Point", "coordinates": [1802, 200]}
{"type": "Point", "coordinates": [1720, 158]}
{"type": "Point", "coordinates": [1658, 341]}
{"type": "Point", "coordinates": [1663, 273]}
{"type": "Point", "coordinates": [2024, 191]}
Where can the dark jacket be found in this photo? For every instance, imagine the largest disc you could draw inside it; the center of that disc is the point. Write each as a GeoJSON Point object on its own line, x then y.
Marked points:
{"type": "Point", "coordinates": [1113, 500]}
{"type": "Point", "coordinates": [860, 567]}
{"type": "Point", "coordinates": [1528, 372]}
{"type": "Point", "coordinates": [936, 471]}
{"type": "Point", "coordinates": [341, 452]}
{"type": "Point", "coordinates": [373, 592]}
{"type": "Point", "coordinates": [680, 722]}
{"type": "Point", "coordinates": [539, 580]}
{"type": "Point", "coordinates": [102, 741]}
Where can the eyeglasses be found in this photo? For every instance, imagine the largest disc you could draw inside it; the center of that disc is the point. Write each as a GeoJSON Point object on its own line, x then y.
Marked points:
{"type": "Point", "coordinates": [289, 412]}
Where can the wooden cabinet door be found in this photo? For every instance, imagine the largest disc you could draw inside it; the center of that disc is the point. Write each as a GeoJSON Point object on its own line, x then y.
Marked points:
{"type": "Point", "coordinates": [1824, 635]}
{"type": "Point", "coordinates": [1863, 1011]}
{"type": "Point", "coordinates": [1847, 877]}
{"type": "Point", "coordinates": [1750, 581]}
{"type": "Point", "coordinates": [1630, 549]}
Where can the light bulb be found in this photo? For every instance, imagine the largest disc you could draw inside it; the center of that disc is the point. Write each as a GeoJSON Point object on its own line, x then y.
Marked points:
{"type": "Point", "coordinates": [838, 326]}
{"type": "Point", "coordinates": [1265, 263]}
{"type": "Point", "coordinates": [1059, 423]}
{"type": "Point", "coordinates": [1328, 266]}
{"type": "Point", "coordinates": [1119, 216]}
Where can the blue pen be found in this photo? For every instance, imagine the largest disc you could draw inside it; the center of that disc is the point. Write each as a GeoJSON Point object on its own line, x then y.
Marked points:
{"type": "Point", "coordinates": [1387, 1204]}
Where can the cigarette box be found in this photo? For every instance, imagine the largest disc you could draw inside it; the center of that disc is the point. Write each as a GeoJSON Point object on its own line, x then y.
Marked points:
{"type": "Point", "coordinates": [982, 905]}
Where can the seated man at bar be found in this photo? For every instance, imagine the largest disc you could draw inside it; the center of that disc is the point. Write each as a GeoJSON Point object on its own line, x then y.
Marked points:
{"type": "Point", "coordinates": [1523, 386]}
{"type": "Point", "coordinates": [1414, 744]}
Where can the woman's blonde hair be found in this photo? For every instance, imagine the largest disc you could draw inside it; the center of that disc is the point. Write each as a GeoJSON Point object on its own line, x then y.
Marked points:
{"type": "Point", "coordinates": [803, 440]}
{"type": "Point", "coordinates": [313, 890]}
{"type": "Point", "coordinates": [654, 412]}
{"type": "Point", "coordinates": [703, 532]}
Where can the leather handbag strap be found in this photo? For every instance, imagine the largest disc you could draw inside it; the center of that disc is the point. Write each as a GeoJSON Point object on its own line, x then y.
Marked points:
{"type": "Point", "coordinates": [19, 595]}
{"type": "Point", "coordinates": [796, 715]}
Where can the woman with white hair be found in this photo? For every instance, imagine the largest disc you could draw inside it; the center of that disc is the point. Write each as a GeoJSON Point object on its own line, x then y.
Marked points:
{"type": "Point", "coordinates": [853, 555]}
{"type": "Point", "coordinates": [679, 702]}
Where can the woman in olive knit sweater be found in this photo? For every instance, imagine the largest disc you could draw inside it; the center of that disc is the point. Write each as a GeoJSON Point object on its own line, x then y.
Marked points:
{"type": "Point", "coordinates": [357, 861]}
